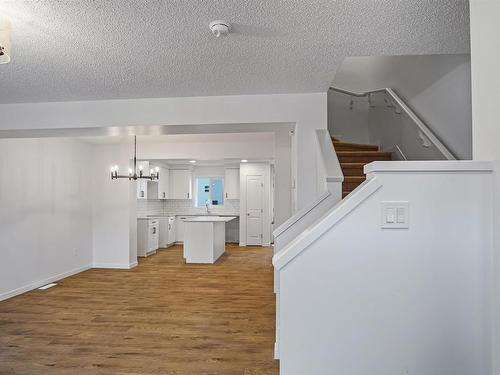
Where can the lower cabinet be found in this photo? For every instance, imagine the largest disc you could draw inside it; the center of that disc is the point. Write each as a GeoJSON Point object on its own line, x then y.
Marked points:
{"type": "Point", "coordinates": [167, 231]}
{"type": "Point", "coordinates": [148, 238]}
{"type": "Point", "coordinates": [179, 228]}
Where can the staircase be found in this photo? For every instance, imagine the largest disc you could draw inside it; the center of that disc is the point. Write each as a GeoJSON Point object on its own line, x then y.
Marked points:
{"type": "Point", "coordinates": [353, 157]}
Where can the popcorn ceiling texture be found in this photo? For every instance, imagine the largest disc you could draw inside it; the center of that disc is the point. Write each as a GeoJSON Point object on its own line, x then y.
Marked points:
{"type": "Point", "coordinates": [108, 49]}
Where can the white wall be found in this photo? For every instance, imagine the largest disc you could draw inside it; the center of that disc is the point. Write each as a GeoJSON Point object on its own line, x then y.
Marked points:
{"type": "Point", "coordinates": [113, 209]}
{"type": "Point", "coordinates": [485, 55]}
{"type": "Point", "coordinates": [255, 169]}
{"type": "Point", "coordinates": [397, 301]}
{"type": "Point", "coordinates": [307, 111]}
{"type": "Point", "coordinates": [436, 87]}
{"type": "Point", "coordinates": [45, 212]}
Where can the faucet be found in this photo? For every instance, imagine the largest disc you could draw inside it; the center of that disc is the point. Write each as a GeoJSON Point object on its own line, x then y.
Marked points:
{"type": "Point", "coordinates": [206, 205]}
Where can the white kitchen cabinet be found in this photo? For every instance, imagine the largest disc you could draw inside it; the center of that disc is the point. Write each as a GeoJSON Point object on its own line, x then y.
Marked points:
{"type": "Point", "coordinates": [147, 236]}
{"type": "Point", "coordinates": [179, 228]}
{"type": "Point", "coordinates": [163, 184]}
{"type": "Point", "coordinates": [180, 184]}
{"type": "Point", "coordinates": [146, 189]}
{"type": "Point", "coordinates": [232, 183]}
{"type": "Point", "coordinates": [171, 230]}
{"type": "Point", "coordinates": [163, 227]}
{"type": "Point", "coordinates": [167, 230]}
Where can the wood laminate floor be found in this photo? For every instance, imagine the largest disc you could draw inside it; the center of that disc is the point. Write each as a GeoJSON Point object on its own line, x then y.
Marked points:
{"type": "Point", "coordinates": [163, 317]}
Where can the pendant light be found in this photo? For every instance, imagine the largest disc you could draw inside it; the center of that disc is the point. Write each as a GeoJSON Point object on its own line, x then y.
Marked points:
{"type": "Point", "coordinates": [132, 173]}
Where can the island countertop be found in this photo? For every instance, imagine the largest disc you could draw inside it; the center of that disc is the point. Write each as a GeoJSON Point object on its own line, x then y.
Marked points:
{"type": "Point", "coordinates": [209, 219]}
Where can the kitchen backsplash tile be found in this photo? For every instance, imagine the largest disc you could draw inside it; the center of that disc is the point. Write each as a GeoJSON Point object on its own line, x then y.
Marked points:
{"type": "Point", "coordinates": [186, 207]}
{"type": "Point", "coordinates": [183, 207]}
{"type": "Point", "coordinates": [146, 207]}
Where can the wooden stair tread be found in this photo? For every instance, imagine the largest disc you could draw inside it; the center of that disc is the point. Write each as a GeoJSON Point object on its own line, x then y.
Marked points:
{"type": "Point", "coordinates": [354, 178]}
{"type": "Point", "coordinates": [353, 157]}
{"type": "Point", "coordinates": [364, 153]}
{"type": "Point", "coordinates": [365, 147]}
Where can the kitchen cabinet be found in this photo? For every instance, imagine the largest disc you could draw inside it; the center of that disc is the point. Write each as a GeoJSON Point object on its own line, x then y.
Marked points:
{"type": "Point", "coordinates": [146, 189]}
{"type": "Point", "coordinates": [167, 230]}
{"type": "Point", "coordinates": [180, 184]}
{"type": "Point", "coordinates": [232, 183]}
{"type": "Point", "coordinates": [179, 228]}
{"type": "Point", "coordinates": [147, 236]}
{"type": "Point", "coordinates": [171, 230]}
{"type": "Point", "coordinates": [163, 184]}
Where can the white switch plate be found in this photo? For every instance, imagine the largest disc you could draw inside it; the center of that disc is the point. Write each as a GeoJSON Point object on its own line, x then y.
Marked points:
{"type": "Point", "coordinates": [395, 215]}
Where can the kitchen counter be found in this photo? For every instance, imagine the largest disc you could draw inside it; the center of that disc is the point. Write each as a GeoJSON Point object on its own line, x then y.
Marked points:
{"type": "Point", "coordinates": [214, 219]}
{"type": "Point", "coordinates": [204, 238]}
{"type": "Point", "coordinates": [187, 215]}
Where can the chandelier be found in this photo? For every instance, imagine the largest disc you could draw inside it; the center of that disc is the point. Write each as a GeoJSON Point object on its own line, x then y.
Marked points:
{"type": "Point", "coordinates": [132, 173]}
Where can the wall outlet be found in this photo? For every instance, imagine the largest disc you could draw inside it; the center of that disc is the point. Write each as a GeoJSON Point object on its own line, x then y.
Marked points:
{"type": "Point", "coordinates": [395, 215]}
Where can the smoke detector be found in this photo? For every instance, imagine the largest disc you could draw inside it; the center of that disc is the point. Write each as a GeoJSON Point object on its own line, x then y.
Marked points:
{"type": "Point", "coordinates": [4, 40]}
{"type": "Point", "coordinates": [219, 28]}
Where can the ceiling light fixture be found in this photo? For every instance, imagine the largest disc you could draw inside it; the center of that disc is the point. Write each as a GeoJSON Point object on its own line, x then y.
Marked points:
{"type": "Point", "coordinates": [219, 28]}
{"type": "Point", "coordinates": [132, 173]}
{"type": "Point", "coordinates": [4, 40]}
{"type": "Point", "coordinates": [244, 160]}
{"type": "Point", "coordinates": [192, 161]}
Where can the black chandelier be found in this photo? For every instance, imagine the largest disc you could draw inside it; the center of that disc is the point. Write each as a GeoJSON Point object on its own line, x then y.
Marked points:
{"type": "Point", "coordinates": [132, 173]}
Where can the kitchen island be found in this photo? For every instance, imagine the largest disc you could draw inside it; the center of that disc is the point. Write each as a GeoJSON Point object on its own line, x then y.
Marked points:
{"type": "Point", "coordinates": [205, 238]}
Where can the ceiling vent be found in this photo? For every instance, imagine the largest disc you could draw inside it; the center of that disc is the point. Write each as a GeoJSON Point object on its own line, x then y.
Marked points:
{"type": "Point", "coordinates": [219, 28]}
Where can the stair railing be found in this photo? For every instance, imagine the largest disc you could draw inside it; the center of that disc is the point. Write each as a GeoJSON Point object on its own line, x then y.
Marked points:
{"type": "Point", "coordinates": [425, 133]}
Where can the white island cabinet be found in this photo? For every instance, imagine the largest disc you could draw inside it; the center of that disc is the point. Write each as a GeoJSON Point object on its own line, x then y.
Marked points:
{"type": "Point", "coordinates": [205, 238]}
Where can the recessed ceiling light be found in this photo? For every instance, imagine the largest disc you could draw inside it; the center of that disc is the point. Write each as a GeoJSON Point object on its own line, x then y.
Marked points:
{"type": "Point", "coordinates": [244, 160]}
{"type": "Point", "coordinates": [192, 161]}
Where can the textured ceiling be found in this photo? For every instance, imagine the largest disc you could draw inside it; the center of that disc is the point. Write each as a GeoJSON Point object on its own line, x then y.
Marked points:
{"type": "Point", "coordinates": [103, 49]}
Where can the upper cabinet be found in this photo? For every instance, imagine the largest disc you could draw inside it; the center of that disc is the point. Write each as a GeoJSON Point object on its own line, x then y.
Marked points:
{"type": "Point", "coordinates": [164, 184]}
{"type": "Point", "coordinates": [232, 183]}
{"type": "Point", "coordinates": [180, 184]}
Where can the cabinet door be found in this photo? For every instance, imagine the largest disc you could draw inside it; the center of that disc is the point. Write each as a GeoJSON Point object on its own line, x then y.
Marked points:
{"type": "Point", "coordinates": [163, 184]}
{"type": "Point", "coordinates": [180, 184]}
{"type": "Point", "coordinates": [142, 189]}
{"type": "Point", "coordinates": [171, 231]}
{"type": "Point", "coordinates": [179, 227]}
{"type": "Point", "coordinates": [232, 183]}
{"type": "Point", "coordinates": [142, 185]}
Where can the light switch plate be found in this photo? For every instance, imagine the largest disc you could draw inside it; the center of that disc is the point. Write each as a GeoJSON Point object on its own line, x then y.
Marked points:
{"type": "Point", "coordinates": [395, 215]}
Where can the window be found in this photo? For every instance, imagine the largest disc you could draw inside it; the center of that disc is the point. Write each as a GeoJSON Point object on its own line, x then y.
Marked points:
{"type": "Point", "coordinates": [211, 190]}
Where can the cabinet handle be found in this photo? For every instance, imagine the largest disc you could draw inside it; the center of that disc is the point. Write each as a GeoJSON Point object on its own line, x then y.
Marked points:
{"type": "Point", "coordinates": [163, 194]}
{"type": "Point", "coordinates": [226, 194]}
{"type": "Point", "coordinates": [188, 195]}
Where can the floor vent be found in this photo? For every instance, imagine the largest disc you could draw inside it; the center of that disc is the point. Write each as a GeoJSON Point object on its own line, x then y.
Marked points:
{"type": "Point", "coordinates": [47, 286]}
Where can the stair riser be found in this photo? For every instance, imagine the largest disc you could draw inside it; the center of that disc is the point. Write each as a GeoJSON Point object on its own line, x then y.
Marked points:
{"type": "Point", "coordinates": [352, 171]}
{"type": "Point", "coordinates": [350, 185]}
{"type": "Point", "coordinates": [354, 148]}
{"type": "Point", "coordinates": [362, 158]}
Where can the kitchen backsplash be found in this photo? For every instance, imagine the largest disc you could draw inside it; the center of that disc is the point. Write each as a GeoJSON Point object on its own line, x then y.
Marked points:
{"type": "Point", "coordinates": [183, 207]}
{"type": "Point", "coordinates": [186, 206]}
{"type": "Point", "coordinates": [146, 207]}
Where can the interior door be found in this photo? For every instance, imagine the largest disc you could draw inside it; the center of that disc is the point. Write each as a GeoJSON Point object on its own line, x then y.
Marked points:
{"type": "Point", "coordinates": [254, 209]}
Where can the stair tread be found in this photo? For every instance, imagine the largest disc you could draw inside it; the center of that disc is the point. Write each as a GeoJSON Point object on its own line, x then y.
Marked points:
{"type": "Point", "coordinates": [355, 178]}
{"type": "Point", "coordinates": [367, 153]}
{"type": "Point", "coordinates": [355, 145]}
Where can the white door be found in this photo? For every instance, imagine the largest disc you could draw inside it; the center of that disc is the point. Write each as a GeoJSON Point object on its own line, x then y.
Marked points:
{"type": "Point", "coordinates": [254, 210]}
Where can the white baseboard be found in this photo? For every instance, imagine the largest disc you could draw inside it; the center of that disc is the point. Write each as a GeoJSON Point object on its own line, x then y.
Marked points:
{"type": "Point", "coordinates": [122, 266]}
{"type": "Point", "coordinates": [43, 282]}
